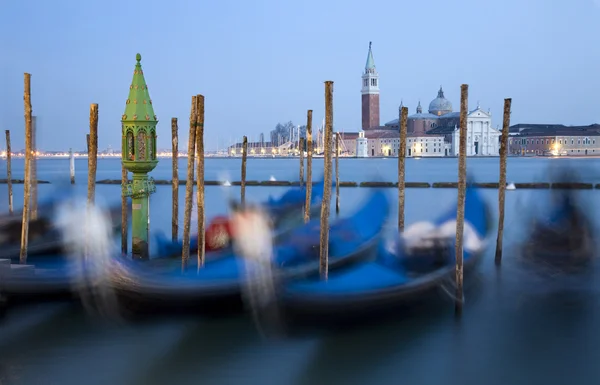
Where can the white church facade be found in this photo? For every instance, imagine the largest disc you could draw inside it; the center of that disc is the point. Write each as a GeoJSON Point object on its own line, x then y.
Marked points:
{"type": "Point", "coordinates": [482, 138]}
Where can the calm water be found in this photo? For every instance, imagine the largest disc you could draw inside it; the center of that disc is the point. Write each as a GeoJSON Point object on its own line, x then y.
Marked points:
{"type": "Point", "coordinates": [514, 329]}
{"type": "Point", "coordinates": [351, 169]}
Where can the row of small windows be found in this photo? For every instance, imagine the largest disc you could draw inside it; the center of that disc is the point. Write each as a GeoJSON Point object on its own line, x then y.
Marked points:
{"type": "Point", "coordinates": [541, 152]}
{"type": "Point", "coordinates": [420, 140]}
{"type": "Point", "coordinates": [551, 141]}
{"type": "Point", "coordinates": [373, 82]}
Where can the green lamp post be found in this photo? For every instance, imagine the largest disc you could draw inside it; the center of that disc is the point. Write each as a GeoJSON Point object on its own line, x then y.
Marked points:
{"type": "Point", "coordinates": [139, 157]}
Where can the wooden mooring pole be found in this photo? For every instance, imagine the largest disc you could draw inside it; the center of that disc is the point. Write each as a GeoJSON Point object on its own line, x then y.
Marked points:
{"type": "Point", "coordinates": [34, 184]}
{"type": "Point", "coordinates": [175, 179]}
{"type": "Point", "coordinates": [462, 187]}
{"type": "Point", "coordinates": [124, 180]}
{"type": "Point", "coordinates": [301, 148]}
{"type": "Point", "coordinates": [189, 187]}
{"type": "Point", "coordinates": [402, 167]}
{"type": "Point", "coordinates": [337, 173]}
{"type": "Point", "coordinates": [324, 240]}
{"type": "Point", "coordinates": [9, 172]}
{"type": "Point", "coordinates": [72, 165]}
{"type": "Point", "coordinates": [27, 177]}
{"type": "Point", "coordinates": [502, 182]}
{"type": "Point", "coordinates": [243, 181]}
{"type": "Point", "coordinates": [309, 147]}
{"type": "Point", "coordinates": [92, 154]}
{"type": "Point", "coordinates": [200, 179]}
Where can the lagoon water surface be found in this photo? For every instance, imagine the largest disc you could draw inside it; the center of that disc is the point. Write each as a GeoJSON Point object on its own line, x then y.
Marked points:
{"type": "Point", "coordinates": [515, 329]}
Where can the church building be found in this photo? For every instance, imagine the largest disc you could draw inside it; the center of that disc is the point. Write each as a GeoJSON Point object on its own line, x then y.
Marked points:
{"type": "Point", "coordinates": [433, 133]}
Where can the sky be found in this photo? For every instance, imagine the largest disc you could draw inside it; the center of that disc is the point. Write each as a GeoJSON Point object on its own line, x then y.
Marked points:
{"type": "Point", "coordinates": [261, 62]}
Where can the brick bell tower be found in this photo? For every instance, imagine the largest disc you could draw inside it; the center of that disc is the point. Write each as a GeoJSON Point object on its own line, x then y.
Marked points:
{"type": "Point", "coordinates": [370, 94]}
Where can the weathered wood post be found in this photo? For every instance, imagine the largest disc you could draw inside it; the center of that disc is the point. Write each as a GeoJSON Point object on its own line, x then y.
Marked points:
{"type": "Point", "coordinates": [34, 184]}
{"type": "Point", "coordinates": [92, 154]}
{"type": "Point", "coordinates": [27, 177]}
{"type": "Point", "coordinates": [200, 178]}
{"type": "Point", "coordinates": [189, 186]}
{"type": "Point", "coordinates": [502, 182]}
{"type": "Point", "coordinates": [175, 179]}
{"type": "Point", "coordinates": [124, 183]}
{"type": "Point", "coordinates": [301, 148]}
{"type": "Point", "coordinates": [462, 187]}
{"type": "Point", "coordinates": [337, 173]}
{"type": "Point", "coordinates": [138, 125]}
{"type": "Point", "coordinates": [243, 182]}
{"type": "Point", "coordinates": [309, 148]}
{"type": "Point", "coordinates": [87, 138]}
{"type": "Point", "coordinates": [72, 165]}
{"type": "Point", "coordinates": [324, 249]}
{"type": "Point", "coordinates": [9, 172]}
{"type": "Point", "coordinates": [402, 167]}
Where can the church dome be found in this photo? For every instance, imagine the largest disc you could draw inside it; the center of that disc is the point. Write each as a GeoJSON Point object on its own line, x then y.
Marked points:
{"type": "Point", "coordinates": [440, 105]}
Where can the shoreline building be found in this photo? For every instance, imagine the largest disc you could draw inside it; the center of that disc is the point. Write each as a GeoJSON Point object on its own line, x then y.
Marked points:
{"type": "Point", "coordinates": [554, 140]}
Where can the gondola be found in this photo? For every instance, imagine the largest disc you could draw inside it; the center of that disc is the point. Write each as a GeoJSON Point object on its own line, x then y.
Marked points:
{"type": "Point", "coordinates": [61, 274]}
{"type": "Point", "coordinates": [217, 287]}
{"type": "Point", "coordinates": [414, 266]}
{"type": "Point", "coordinates": [44, 234]}
{"type": "Point", "coordinates": [561, 238]}
{"type": "Point", "coordinates": [286, 213]}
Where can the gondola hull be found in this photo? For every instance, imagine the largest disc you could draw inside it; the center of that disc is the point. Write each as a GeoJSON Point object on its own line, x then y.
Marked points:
{"type": "Point", "coordinates": [218, 286]}
{"type": "Point", "coordinates": [45, 240]}
{"type": "Point", "coordinates": [397, 278]}
{"type": "Point", "coordinates": [60, 275]}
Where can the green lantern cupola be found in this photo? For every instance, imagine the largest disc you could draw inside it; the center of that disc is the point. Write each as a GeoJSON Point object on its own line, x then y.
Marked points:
{"type": "Point", "coordinates": [138, 125]}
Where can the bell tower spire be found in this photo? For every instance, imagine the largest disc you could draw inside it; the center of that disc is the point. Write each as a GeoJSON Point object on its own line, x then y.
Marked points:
{"type": "Point", "coordinates": [370, 93]}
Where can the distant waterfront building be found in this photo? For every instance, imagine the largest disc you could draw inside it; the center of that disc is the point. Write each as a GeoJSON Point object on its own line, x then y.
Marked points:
{"type": "Point", "coordinates": [362, 143]}
{"type": "Point", "coordinates": [554, 139]}
{"type": "Point", "coordinates": [431, 133]}
{"type": "Point", "coordinates": [440, 120]}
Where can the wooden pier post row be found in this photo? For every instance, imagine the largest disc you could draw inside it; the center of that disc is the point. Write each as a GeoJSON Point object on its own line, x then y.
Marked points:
{"type": "Point", "coordinates": [200, 178]}
{"type": "Point", "coordinates": [243, 181]}
{"type": "Point", "coordinates": [502, 181]}
{"type": "Point", "coordinates": [9, 172]}
{"type": "Point", "coordinates": [175, 179]}
{"type": "Point", "coordinates": [189, 186]}
{"type": "Point", "coordinates": [402, 167]}
{"type": "Point", "coordinates": [327, 149]}
{"type": "Point", "coordinates": [462, 187]}
{"type": "Point", "coordinates": [27, 177]}
{"type": "Point", "coordinates": [309, 149]}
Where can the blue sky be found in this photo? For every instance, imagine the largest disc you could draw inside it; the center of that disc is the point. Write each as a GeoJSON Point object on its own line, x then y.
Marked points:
{"type": "Point", "coordinates": [262, 62]}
